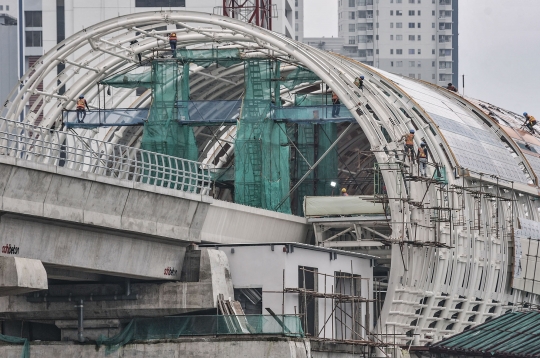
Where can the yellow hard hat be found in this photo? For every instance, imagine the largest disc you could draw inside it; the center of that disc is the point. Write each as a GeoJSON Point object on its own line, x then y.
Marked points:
{"type": "Point", "coordinates": [343, 190]}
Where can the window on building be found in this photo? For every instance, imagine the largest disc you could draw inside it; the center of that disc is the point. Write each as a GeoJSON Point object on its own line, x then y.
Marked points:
{"type": "Point", "coordinates": [369, 52]}
{"type": "Point", "coordinates": [419, 51]}
{"type": "Point", "coordinates": [391, 25]}
{"type": "Point", "coordinates": [433, 76]}
{"type": "Point", "coordinates": [362, 39]}
{"type": "Point", "coordinates": [411, 25]}
{"type": "Point", "coordinates": [34, 39]}
{"type": "Point", "coordinates": [361, 27]}
{"type": "Point", "coordinates": [391, 37]}
{"type": "Point", "coordinates": [352, 3]}
{"type": "Point", "coordinates": [411, 51]}
{"type": "Point", "coordinates": [446, 77]}
{"type": "Point", "coordinates": [399, 25]}
{"type": "Point", "coordinates": [370, 26]}
{"type": "Point", "coordinates": [369, 39]}
{"type": "Point", "coordinates": [445, 52]}
{"type": "Point", "coordinates": [419, 25]}
{"type": "Point", "coordinates": [411, 1]}
{"type": "Point", "coordinates": [296, 15]}
{"type": "Point", "coordinates": [160, 3]}
{"type": "Point", "coordinates": [296, 38]}
{"type": "Point", "coordinates": [419, 37]}
{"type": "Point", "coordinates": [432, 25]}
{"type": "Point", "coordinates": [445, 2]}
{"type": "Point", "coordinates": [433, 13]}
{"type": "Point", "coordinates": [445, 26]}
{"type": "Point", "coordinates": [398, 1]}
{"type": "Point", "coordinates": [412, 64]}
{"type": "Point", "coordinates": [419, 64]}
{"type": "Point", "coordinates": [445, 38]}
{"type": "Point", "coordinates": [369, 14]}
{"type": "Point", "coordinates": [399, 63]}
{"type": "Point", "coordinates": [411, 75]}
{"type": "Point", "coordinates": [391, 63]}
{"type": "Point", "coordinates": [445, 65]}
{"type": "Point", "coordinates": [399, 37]}
{"type": "Point", "coordinates": [432, 37]}
{"type": "Point", "coordinates": [433, 51]}
{"type": "Point", "coordinates": [352, 15]}
{"type": "Point", "coordinates": [377, 51]}
{"type": "Point", "coordinates": [411, 12]}
{"type": "Point", "coordinates": [399, 13]}
{"type": "Point", "coordinates": [391, 51]}
{"type": "Point", "coordinates": [2, 8]}
{"type": "Point", "coordinates": [296, 3]}
{"type": "Point", "coordinates": [419, 13]}
{"type": "Point", "coordinates": [33, 19]}
{"type": "Point", "coordinates": [391, 12]}
{"type": "Point", "coordinates": [352, 28]}
{"type": "Point", "coordinates": [7, 7]}
{"type": "Point", "coordinates": [445, 13]}
{"type": "Point", "coordinates": [361, 2]}
{"type": "Point", "coordinates": [412, 38]}
{"type": "Point", "coordinates": [399, 52]}
{"type": "Point", "coordinates": [361, 53]}
{"type": "Point", "coordinates": [361, 14]}
{"type": "Point", "coordinates": [432, 63]}
{"type": "Point", "coordinates": [351, 40]}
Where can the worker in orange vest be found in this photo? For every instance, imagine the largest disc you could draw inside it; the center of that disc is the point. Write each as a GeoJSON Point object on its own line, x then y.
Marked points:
{"type": "Point", "coordinates": [423, 154]}
{"type": "Point", "coordinates": [81, 112]}
{"type": "Point", "coordinates": [409, 145]}
{"type": "Point", "coordinates": [530, 122]}
{"type": "Point", "coordinates": [172, 42]}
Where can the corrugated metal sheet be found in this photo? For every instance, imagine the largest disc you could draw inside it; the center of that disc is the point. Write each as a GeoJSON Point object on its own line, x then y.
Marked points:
{"type": "Point", "coordinates": [515, 334]}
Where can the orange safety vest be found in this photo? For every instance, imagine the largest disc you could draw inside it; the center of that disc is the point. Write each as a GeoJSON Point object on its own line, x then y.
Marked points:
{"type": "Point", "coordinates": [409, 139]}
{"type": "Point", "coordinates": [532, 120]}
{"type": "Point", "coordinates": [81, 103]}
{"type": "Point", "coordinates": [422, 152]}
{"type": "Point", "coordinates": [172, 37]}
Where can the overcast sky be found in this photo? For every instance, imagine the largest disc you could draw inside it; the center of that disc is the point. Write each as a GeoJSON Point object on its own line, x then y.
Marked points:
{"type": "Point", "coordinates": [499, 48]}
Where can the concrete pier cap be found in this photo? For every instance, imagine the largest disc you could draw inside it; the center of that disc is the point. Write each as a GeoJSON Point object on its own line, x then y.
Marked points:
{"type": "Point", "coordinates": [20, 275]}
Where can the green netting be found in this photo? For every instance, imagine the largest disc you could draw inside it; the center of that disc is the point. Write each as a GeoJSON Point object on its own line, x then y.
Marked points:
{"type": "Point", "coordinates": [313, 141]}
{"type": "Point", "coordinates": [299, 76]}
{"type": "Point", "coordinates": [130, 80]}
{"type": "Point", "coordinates": [17, 340]}
{"type": "Point", "coordinates": [261, 152]}
{"type": "Point", "coordinates": [204, 58]}
{"type": "Point", "coordinates": [162, 133]}
{"type": "Point", "coordinates": [143, 329]}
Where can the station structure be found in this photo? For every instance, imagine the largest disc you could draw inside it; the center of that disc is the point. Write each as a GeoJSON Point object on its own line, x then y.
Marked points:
{"type": "Point", "coordinates": [242, 119]}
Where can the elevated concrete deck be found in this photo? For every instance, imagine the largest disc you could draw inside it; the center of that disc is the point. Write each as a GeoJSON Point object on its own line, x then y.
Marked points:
{"type": "Point", "coordinates": [68, 218]}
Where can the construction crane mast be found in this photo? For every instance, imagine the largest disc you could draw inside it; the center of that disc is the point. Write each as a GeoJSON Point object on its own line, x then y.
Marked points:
{"type": "Point", "coordinates": [258, 12]}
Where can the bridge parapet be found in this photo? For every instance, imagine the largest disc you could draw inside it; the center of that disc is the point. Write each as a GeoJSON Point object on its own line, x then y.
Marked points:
{"type": "Point", "coordinates": [69, 150]}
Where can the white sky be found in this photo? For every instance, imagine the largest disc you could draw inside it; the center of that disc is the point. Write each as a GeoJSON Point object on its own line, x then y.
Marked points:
{"type": "Point", "coordinates": [499, 48]}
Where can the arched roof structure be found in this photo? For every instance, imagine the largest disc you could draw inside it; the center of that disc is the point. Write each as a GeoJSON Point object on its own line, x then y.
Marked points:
{"type": "Point", "coordinates": [450, 247]}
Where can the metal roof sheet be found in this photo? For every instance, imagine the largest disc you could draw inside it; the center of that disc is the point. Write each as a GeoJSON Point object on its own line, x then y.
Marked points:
{"type": "Point", "coordinates": [511, 335]}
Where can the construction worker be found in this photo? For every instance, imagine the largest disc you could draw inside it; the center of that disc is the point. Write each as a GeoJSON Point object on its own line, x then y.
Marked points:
{"type": "Point", "coordinates": [81, 113]}
{"type": "Point", "coordinates": [172, 42]}
{"type": "Point", "coordinates": [451, 87]}
{"type": "Point", "coordinates": [344, 192]}
{"type": "Point", "coordinates": [409, 145]}
{"type": "Point", "coordinates": [423, 154]}
{"type": "Point", "coordinates": [336, 105]}
{"type": "Point", "coordinates": [530, 122]}
{"type": "Point", "coordinates": [359, 82]}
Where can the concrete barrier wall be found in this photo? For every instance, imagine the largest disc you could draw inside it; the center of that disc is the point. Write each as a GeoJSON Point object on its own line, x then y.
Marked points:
{"type": "Point", "coordinates": [72, 196]}
{"type": "Point", "coordinates": [193, 348]}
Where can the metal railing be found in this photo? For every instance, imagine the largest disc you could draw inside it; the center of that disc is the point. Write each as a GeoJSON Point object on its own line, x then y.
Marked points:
{"type": "Point", "coordinates": [69, 150]}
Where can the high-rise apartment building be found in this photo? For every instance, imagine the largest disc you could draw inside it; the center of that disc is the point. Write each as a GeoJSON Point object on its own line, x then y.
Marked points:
{"type": "Point", "coordinates": [415, 38]}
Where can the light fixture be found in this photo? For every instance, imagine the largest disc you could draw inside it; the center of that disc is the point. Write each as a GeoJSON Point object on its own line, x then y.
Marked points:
{"type": "Point", "coordinates": [333, 184]}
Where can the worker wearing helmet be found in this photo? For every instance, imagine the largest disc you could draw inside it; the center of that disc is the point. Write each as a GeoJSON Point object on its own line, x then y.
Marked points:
{"type": "Point", "coordinates": [81, 112]}
{"type": "Point", "coordinates": [172, 42]}
{"type": "Point", "coordinates": [530, 122]}
{"type": "Point", "coordinates": [359, 82]}
{"type": "Point", "coordinates": [409, 145]}
{"type": "Point", "coordinates": [344, 192]}
{"type": "Point", "coordinates": [422, 155]}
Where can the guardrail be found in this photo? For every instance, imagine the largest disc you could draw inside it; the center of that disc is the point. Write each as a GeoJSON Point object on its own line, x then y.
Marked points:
{"type": "Point", "coordinates": [69, 150]}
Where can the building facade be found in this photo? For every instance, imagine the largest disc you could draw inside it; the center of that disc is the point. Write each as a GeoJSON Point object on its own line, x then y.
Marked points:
{"type": "Point", "coordinates": [408, 37]}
